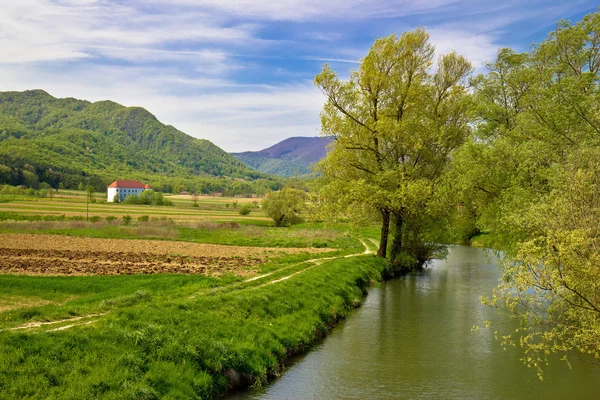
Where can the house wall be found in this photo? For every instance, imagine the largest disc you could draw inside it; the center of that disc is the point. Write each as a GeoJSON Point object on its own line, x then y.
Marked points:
{"type": "Point", "coordinates": [111, 195]}
{"type": "Point", "coordinates": [122, 192]}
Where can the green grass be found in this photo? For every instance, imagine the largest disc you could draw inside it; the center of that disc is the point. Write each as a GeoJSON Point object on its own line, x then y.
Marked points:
{"type": "Point", "coordinates": [164, 342]}
{"type": "Point", "coordinates": [242, 233]}
{"type": "Point", "coordinates": [172, 336]}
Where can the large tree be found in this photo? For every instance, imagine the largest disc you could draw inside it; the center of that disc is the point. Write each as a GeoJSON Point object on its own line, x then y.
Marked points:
{"type": "Point", "coordinates": [395, 123]}
{"type": "Point", "coordinates": [533, 169]}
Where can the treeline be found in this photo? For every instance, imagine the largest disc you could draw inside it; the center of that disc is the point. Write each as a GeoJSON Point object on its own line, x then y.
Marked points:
{"type": "Point", "coordinates": [11, 192]}
{"type": "Point", "coordinates": [436, 155]}
{"type": "Point", "coordinates": [19, 172]}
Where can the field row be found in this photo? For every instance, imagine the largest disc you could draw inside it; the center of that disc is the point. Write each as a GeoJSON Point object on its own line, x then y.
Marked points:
{"type": "Point", "coordinates": [65, 255]}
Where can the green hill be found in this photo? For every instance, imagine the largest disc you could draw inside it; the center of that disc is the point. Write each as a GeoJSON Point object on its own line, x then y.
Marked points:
{"type": "Point", "coordinates": [67, 142]}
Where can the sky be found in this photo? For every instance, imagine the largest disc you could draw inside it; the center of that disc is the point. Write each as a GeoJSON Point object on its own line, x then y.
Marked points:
{"type": "Point", "coordinates": [240, 72]}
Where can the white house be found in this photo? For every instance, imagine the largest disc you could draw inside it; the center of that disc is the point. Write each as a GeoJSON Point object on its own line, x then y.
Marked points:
{"type": "Point", "coordinates": [124, 189]}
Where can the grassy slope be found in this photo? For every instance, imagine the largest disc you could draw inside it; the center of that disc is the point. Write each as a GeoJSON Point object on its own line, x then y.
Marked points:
{"type": "Point", "coordinates": [162, 342]}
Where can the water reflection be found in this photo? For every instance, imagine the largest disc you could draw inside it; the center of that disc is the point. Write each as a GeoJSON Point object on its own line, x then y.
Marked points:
{"type": "Point", "coordinates": [413, 339]}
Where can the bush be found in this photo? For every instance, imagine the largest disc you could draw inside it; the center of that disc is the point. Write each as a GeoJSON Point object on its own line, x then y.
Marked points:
{"type": "Point", "coordinates": [126, 219]}
{"type": "Point", "coordinates": [245, 209]}
{"type": "Point", "coordinates": [95, 218]}
{"type": "Point", "coordinates": [285, 207]}
{"type": "Point", "coordinates": [110, 219]}
{"type": "Point", "coordinates": [143, 218]}
{"type": "Point", "coordinates": [148, 197]}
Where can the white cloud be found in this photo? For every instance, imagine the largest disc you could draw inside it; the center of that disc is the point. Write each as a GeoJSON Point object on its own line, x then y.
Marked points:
{"type": "Point", "coordinates": [41, 30]}
{"type": "Point", "coordinates": [479, 48]}
{"type": "Point", "coordinates": [201, 65]}
{"type": "Point", "coordinates": [304, 10]}
{"type": "Point", "coordinates": [236, 118]}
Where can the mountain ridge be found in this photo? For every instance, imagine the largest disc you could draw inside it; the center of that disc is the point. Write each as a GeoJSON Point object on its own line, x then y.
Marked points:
{"type": "Point", "coordinates": [290, 157]}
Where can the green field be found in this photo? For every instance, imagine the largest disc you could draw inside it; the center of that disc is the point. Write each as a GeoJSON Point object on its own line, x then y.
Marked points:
{"type": "Point", "coordinates": [171, 335]}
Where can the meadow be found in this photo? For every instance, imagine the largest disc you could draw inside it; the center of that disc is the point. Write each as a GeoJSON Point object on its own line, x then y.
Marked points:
{"type": "Point", "coordinates": [174, 302]}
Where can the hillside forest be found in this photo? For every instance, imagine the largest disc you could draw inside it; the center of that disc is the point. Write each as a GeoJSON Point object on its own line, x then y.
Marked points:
{"type": "Point", "coordinates": [68, 143]}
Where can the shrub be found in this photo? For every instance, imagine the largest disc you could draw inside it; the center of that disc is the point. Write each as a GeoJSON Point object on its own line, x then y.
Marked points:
{"type": "Point", "coordinates": [229, 224]}
{"type": "Point", "coordinates": [148, 197]}
{"type": "Point", "coordinates": [110, 219]}
{"type": "Point", "coordinates": [95, 218]}
{"type": "Point", "coordinates": [245, 209]}
{"type": "Point", "coordinates": [143, 218]}
{"type": "Point", "coordinates": [285, 207]}
{"type": "Point", "coordinates": [126, 219]}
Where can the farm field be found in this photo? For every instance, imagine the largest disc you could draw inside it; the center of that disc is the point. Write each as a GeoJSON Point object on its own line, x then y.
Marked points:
{"type": "Point", "coordinates": [180, 301]}
{"type": "Point", "coordinates": [74, 205]}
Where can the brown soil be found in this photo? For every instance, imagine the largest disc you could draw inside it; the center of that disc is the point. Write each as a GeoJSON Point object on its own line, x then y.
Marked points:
{"type": "Point", "coordinates": [63, 255]}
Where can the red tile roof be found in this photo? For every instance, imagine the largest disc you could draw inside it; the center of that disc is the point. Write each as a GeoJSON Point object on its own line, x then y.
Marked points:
{"type": "Point", "coordinates": [128, 184]}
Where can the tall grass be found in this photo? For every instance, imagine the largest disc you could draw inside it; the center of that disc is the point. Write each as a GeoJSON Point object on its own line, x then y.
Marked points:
{"type": "Point", "coordinates": [182, 346]}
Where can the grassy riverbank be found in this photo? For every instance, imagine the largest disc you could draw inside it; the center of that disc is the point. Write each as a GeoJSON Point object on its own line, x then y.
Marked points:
{"type": "Point", "coordinates": [178, 337]}
{"type": "Point", "coordinates": [257, 295]}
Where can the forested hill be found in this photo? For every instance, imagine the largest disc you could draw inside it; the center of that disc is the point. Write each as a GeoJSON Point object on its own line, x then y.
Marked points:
{"type": "Point", "coordinates": [289, 157]}
{"type": "Point", "coordinates": [72, 141]}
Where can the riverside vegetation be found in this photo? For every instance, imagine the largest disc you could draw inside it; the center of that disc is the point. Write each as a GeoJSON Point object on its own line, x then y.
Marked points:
{"type": "Point", "coordinates": [421, 155]}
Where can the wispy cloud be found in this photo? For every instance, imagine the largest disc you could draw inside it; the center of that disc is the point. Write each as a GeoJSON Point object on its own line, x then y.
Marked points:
{"type": "Point", "coordinates": [237, 72]}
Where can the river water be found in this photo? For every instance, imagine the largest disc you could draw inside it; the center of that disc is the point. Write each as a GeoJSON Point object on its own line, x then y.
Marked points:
{"type": "Point", "coordinates": [412, 339]}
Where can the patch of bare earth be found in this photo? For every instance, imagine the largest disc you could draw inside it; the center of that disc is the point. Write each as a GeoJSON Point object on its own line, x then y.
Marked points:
{"type": "Point", "coordinates": [26, 254]}
{"type": "Point", "coordinates": [16, 302]}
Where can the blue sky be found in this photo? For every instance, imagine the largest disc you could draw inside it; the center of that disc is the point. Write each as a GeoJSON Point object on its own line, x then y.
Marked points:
{"type": "Point", "coordinates": [239, 72]}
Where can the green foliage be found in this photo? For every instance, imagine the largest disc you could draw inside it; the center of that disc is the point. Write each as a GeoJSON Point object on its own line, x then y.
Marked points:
{"type": "Point", "coordinates": [245, 209]}
{"type": "Point", "coordinates": [148, 197]}
{"type": "Point", "coordinates": [396, 123]}
{"type": "Point", "coordinates": [143, 218]}
{"type": "Point", "coordinates": [531, 174]}
{"type": "Point", "coordinates": [95, 218]}
{"type": "Point", "coordinates": [286, 206]}
{"type": "Point", "coordinates": [126, 219]}
{"type": "Point", "coordinates": [110, 219]}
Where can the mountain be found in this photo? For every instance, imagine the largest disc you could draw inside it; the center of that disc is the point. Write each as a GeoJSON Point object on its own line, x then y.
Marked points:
{"type": "Point", "coordinates": [290, 157]}
{"type": "Point", "coordinates": [69, 141]}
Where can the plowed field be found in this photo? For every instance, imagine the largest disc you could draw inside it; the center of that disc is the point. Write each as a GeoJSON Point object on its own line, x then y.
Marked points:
{"type": "Point", "coordinates": [64, 255]}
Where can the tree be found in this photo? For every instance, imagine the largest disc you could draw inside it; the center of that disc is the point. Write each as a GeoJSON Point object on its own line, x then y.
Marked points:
{"type": "Point", "coordinates": [286, 206]}
{"type": "Point", "coordinates": [395, 124]}
{"type": "Point", "coordinates": [533, 167]}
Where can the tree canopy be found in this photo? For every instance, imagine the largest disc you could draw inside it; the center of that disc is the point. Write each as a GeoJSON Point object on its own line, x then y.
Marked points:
{"type": "Point", "coordinates": [532, 171]}
{"type": "Point", "coordinates": [395, 123]}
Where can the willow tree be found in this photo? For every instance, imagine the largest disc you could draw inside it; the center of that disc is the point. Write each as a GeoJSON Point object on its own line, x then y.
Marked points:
{"type": "Point", "coordinates": [535, 165]}
{"type": "Point", "coordinates": [395, 123]}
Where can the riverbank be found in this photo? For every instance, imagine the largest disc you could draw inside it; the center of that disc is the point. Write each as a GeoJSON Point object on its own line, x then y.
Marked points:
{"type": "Point", "coordinates": [178, 336]}
{"type": "Point", "coordinates": [413, 338]}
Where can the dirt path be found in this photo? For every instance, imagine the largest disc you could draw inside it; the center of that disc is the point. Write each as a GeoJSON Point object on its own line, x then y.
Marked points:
{"type": "Point", "coordinates": [309, 264]}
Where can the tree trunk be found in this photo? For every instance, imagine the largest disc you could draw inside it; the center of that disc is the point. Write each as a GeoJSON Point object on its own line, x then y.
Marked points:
{"type": "Point", "coordinates": [397, 242]}
{"type": "Point", "coordinates": [385, 231]}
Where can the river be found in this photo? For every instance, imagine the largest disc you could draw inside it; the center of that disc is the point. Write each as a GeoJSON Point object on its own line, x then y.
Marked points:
{"type": "Point", "coordinates": [412, 339]}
